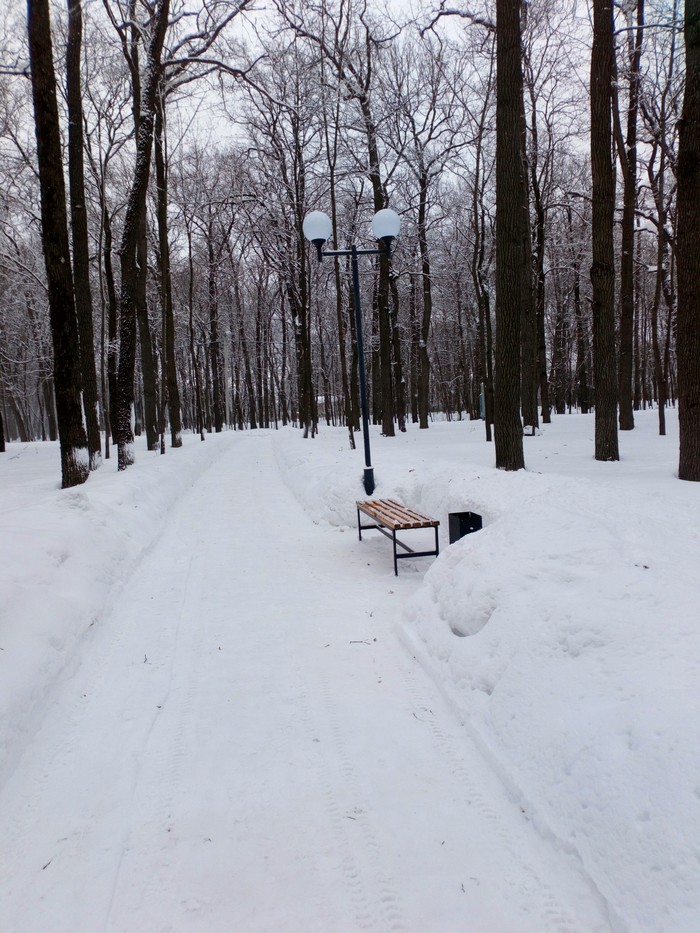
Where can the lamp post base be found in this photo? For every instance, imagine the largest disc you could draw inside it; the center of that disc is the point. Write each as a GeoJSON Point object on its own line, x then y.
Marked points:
{"type": "Point", "coordinates": [369, 480]}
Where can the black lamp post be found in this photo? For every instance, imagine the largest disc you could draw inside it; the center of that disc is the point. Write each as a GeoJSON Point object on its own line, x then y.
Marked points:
{"type": "Point", "coordinates": [385, 226]}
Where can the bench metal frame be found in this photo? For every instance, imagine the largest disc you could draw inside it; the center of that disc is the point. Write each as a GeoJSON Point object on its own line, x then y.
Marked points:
{"type": "Point", "coordinates": [376, 510]}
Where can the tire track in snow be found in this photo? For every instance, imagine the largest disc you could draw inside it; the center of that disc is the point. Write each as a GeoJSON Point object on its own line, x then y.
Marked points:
{"type": "Point", "coordinates": [344, 861]}
{"type": "Point", "coordinates": [384, 908]}
{"type": "Point", "coordinates": [373, 896]}
{"type": "Point", "coordinates": [161, 757]}
{"type": "Point", "coordinates": [555, 917]}
{"type": "Point", "coordinates": [112, 693]}
{"type": "Point", "coordinates": [53, 754]}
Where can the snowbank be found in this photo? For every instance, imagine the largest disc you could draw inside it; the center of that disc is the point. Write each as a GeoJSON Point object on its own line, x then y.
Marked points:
{"type": "Point", "coordinates": [565, 634]}
{"type": "Point", "coordinates": [66, 554]}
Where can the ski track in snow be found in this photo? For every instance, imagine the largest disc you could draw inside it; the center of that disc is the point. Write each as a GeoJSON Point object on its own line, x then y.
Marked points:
{"type": "Point", "coordinates": [136, 807]}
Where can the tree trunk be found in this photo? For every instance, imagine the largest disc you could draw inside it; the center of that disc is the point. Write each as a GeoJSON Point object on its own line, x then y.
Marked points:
{"type": "Point", "coordinates": [332, 159]}
{"type": "Point", "coordinates": [541, 380]}
{"type": "Point", "coordinates": [149, 374]}
{"type": "Point", "coordinates": [399, 381]}
{"type": "Point", "coordinates": [582, 393]}
{"type": "Point", "coordinates": [75, 459]}
{"type": "Point", "coordinates": [214, 331]}
{"type": "Point", "coordinates": [511, 233]}
{"type": "Point", "coordinates": [283, 368]}
{"type": "Point", "coordinates": [20, 422]}
{"type": "Point", "coordinates": [131, 236]}
{"type": "Point", "coordinates": [78, 210]}
{"type": "Point", "coordinates": [529, 373]}
{"type": "Point", "coordinates": [248, 375]}
{"type": "Point", "coordinates": [559, 360]}
{"type": "Point", "coordinates": [172, 391]}
{"type": "Point", "coordinates": [659, 374]}
{"type": "Point", "coordinates": [381, 308]}
{"type": "Point", "coordinates": [688, 254]}
{"type": "Point", "coordinates": [603, 266]}
{"type": "Point", "coordinates": [198, 406]}
{"type": "Point", "coordinates": [427, 294]}
{"type": "Point", "coordinates": [415, 339]}
{"type": "Point", "coordinates": [112, 321]}
{"type": "Point", "coordinates": [298, 298]}
{"type": "Point", "coordinates": [627, 150]}
{"type": "Point", "coordinates": [259, 358]}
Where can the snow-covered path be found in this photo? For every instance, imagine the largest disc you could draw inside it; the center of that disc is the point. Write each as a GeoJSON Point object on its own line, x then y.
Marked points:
{"type": "Point", "coordinates": [211, 767]}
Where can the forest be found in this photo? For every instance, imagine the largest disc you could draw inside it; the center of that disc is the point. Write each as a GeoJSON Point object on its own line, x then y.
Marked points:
{"type": "Point", "coordinates": [158, 157]}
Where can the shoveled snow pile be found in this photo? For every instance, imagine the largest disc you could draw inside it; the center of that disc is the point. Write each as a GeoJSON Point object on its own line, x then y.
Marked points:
{"type": "Point", "coordinates": [566, 634]}
{"type": "Point", "coordinates": [65, 555]}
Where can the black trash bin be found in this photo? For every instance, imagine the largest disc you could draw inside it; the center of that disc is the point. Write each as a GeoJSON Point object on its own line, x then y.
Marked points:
{"type": "Point", "coordinates": [463, 523]}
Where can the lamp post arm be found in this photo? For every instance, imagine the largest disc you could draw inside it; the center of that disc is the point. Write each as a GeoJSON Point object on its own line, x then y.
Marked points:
{"type": "Point", "coordinates": [353, 251]}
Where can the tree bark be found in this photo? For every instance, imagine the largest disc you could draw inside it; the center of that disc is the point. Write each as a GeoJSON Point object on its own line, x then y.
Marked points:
{"type": "Point", "coordinates": [427, 294]}
{"type": "Point", "coordinates": [331, 145]}
{"type": "Point", "coordinates": [78, 211]}
{"type": "Point", "coordinates": [582, 393]}
{"type": "Point", "coordinates": [603, 266]}
{"type": "Point", "coordinates": [529, 373]}
{"type": "Point", "coordinates": [659, 373]}
{"type": "Point", "coordinates": [688, 254]}
{"type": "Point", "coordinates": [172, 391]}
{"type": "Point", "coordinates": [399, 381]}
{"type": "Point", "coordinates": [198, 408]}
{"type": "Point", "coordinates": [148, 359]}
{"type": "Point", "coordinates": [214, 332]}
{"type": "Point", "coordinates": [112, 320]}
{"type": "Point", "coordinates": [511, 233]}
{"type": "Point", "coordinates": [541, 378]}
{"type": "Point", "coordinates": [75, 460]}
{"type": "Point", "coordinates": [627, 150]}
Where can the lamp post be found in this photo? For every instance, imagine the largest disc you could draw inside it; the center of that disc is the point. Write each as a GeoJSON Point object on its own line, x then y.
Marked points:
{"type": "Point", "coordinates": [318, 229]}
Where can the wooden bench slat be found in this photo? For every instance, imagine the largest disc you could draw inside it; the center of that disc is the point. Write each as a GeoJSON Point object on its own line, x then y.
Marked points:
{"type": "Point", "coordinates": [395, 519]}
{"type": "Point", "coordinates": [394, 515]}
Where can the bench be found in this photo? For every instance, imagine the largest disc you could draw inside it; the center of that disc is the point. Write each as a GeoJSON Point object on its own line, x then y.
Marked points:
{"type": "Point", "coordinates": [388, 517]}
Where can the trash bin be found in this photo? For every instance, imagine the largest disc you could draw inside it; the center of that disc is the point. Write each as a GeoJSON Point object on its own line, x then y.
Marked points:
{"type": "Point", "coordinates": [463, 523]}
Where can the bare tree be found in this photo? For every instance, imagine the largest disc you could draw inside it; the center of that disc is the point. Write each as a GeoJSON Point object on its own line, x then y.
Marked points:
{"type": "Point", "coordinates": [131, 236]}
{"type": "Point", "coordinates": [627, 154]}
{"type": "Point", "coordinates": [553, 96]}
{"type": "Point", "coordinates": [186, 58]}
{"type": "Point", "coordinates": [660, 102]}
{"type": "Point", "coordinates": [512, 234]}
{"type": "Point", "coordinates": [350, 42]}
{"type": "Point", "coordinates": [75, 464]}
{"type": "Point", "coordinates": [170, 393]}
{"type": "Point", "coordinates": [79, 229]}
{"type": "Point", "coordinates": [427, 136]}
{"type": "Point", "coordinates": [105, 106]}
{"type": "Point", "coordinates": [688, 247]}
{"type": "Point", "coordinates": [603, 266]}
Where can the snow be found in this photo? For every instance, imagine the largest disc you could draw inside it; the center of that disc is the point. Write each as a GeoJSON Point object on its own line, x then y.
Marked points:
{"type": "Point", "coordinates": [219, 710]}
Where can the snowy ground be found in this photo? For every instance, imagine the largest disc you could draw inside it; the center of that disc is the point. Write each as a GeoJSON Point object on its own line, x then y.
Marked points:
{"type": "Point", "coordinates": [220, 711]}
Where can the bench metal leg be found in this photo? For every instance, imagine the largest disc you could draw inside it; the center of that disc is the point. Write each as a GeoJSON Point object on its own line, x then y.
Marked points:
{"type": "Point", "coordinates": [396, 543]}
